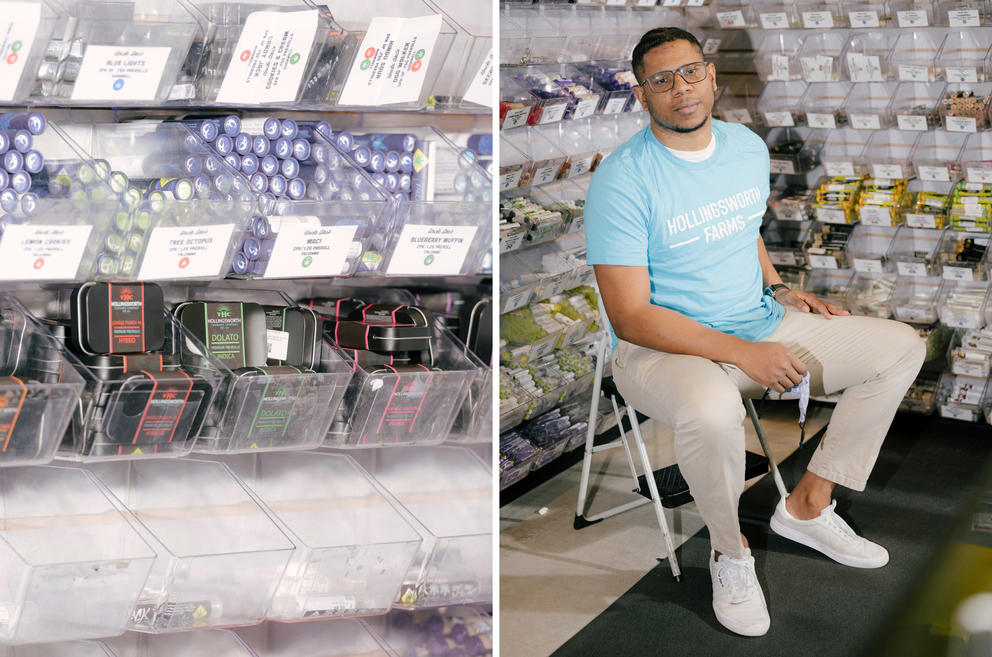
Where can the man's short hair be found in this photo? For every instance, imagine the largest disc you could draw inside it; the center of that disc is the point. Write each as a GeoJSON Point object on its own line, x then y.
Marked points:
{"type": "Point", "coordinates": [655, 38]}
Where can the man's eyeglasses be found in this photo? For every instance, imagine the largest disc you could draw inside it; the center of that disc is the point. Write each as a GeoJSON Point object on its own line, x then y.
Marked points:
{"type": "Point", "coordinates": [662, 81]}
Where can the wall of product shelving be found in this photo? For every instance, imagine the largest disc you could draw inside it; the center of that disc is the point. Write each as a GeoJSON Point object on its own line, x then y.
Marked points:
{"type": "Point", "coordinates": [239, 333]}
{"type": "Point", "coordinates": [876, 116]}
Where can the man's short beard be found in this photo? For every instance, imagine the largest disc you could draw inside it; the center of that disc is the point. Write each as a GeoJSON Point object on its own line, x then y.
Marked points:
{"type": "Point", "coordinates": [679, 129]}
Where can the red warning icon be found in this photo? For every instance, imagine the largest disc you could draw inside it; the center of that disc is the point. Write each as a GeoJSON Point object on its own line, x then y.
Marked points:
{"type": "Point", "coordinates": [183, 262]}
{"type": "Point", "coordinates": [39, 263]}
{"type": "Point", "coordinates": [369, 53]}
{"type": "Point", "coordinates": [11, 58]}
{"type": "Point", "coordinates": [416, 66]}
{"type": "Point", "coordinates": [245, 55]}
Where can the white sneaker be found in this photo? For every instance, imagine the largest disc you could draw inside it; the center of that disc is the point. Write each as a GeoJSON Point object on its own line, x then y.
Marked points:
{"type": "Point", "coordinates": [829, 534]}
{"type": "Point", "coordinates": [738, 602]}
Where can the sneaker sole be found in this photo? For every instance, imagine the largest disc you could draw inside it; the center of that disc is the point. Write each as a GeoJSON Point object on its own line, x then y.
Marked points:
{"type": "Point", "coordinates": [730, 625]}
{"type": "Point", "coordinates": [799, 537]}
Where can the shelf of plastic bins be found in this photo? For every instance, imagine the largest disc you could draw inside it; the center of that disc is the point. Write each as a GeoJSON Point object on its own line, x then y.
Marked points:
{"type": "Point", "coordinates": [552, 101]}
{"type": "Point", "coordinates": [914, 55]}
{"type": "Point", "coordinates": [867, 247]}
{"type": "Point", "coordinates": [579, 26]}
{"type": "Point", "coordinates": [963, 13]}
{"type": "Point", "coordinates": [353, 548]}
{"type": "Point", "coordinates": [777, 15]}
{"type": "Point", "coordinates": [936, 156]}
{"type": "Point", "coordinates": [446, 493]}
{"type": "Point", "coordinates": [785, 242]}
{"type": "Point", "coordinates": [889, 154]}
{"type": "Point", "coordinates": [202, 643]}
{"type": "Point", "coordinates": [961, 255]}
{"type": "Point", "coordinates": [514, 401]}
{"type": "Point", "coordinates": [576, 141]}
{"type": "Point", "coordinates": [964, 107]}
{"type": "Point", "coordinates": [776, 58]}
{"type": "Point", "coordinates": [778, 104]}
{"type": "Point", "coordinates": [39, 388]}
{"type": "Point", "coordinates": [568, 199]}
{"type": "Point", "coordinates": [976, 158]}
{"type": "Point", "coordinates": [928, 204]}
{"type": "Point", "coordinates": [822, 104]}
{"type": "Point", "coordinates": [182, 208]}
{"type": "Point", "coordinates": [517, 456]}
{"type": "Point", "coordinates": [616, 81]}
{"type": "Point", "coordinates": [867, 106]}
{"type": "Point", "coordinates": [962, 304]}
{"type": "Point", "coordinates": [254, 410]}
{"type": "Point", "coordinates": [59, 215]}
{"type": "Point", "coordinates": [566, 385]}
{"type": "Point", "coordinates": [913, 251]}
{"type": "Point", "coordinates": [74, 44]}
{"type": "Point", "coordinates": [793, 151]}
{"type": "Point", "coordinates": [525, 339]}
{"type": "Point", "coordinates": [319, 211]}
{"type": "Point", "coordinates": [914, 299]}
{"type": "Point", "coordinates": [515, 103]}
{"type": "Point", "coordinates": [220, 554]}
{"type": "Point", "coordinates": [870, 294]}
{"type": "Point", "coordinates": [545, 159]}
{"type": "Point", "coordinates": [453, 630]}
{"type": "Point", "coordinates": [914, 105]}
{"type": "Point", "coordinates": [962, 58]}
{"type": "Point", "coordinates": [961, 397]}
{"type": "Point", "coordinates": [620, 29]}
{"type": "Point", "coordinates": [73, 564]}
{"type": "Point", "coordinates": [830, 284]}
{"type": "Point", "coordinates": [443, 225]}
{"type": "Point", "coordinates": [337, 637]}
{"type": "Point", "coordinates": [843, 153]}
{"type": "Point", "coordinates": [530, 38]}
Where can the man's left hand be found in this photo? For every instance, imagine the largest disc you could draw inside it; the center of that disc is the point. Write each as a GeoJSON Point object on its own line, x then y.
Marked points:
{"type": "Point", "coordinates": [807, 302]}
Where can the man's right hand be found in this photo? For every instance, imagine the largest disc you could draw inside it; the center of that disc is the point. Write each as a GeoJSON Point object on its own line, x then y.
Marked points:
{"type": "Point", "coordinates": [771, 365]}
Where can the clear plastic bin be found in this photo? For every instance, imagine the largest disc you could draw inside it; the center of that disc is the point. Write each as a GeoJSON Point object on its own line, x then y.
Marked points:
{"type": "Point", "coordinates": [928, 204]}
{"type": "Point", "coordinates": [777, 15]}
{"type": "Point", "coordinates": [790, 203]}
{"type": "Point", "coordinates": [820, 57]}
{"type": "Point", "coordinates": [826, 248]}
{"type": "Point", "coordinates": [962, 304]}
{"type": "Point", "coordinates": [737, 109]}
{"type": "Point", "coordinates": [220, 554]}
{"type": "Point", "coordinates": [515, 103]}
{"type": "Point", "coordinates": [962, 13]}
{"type": "Point", "coordinates": [551, 100]}
{"type": "Point", "coordinates": [71, 564]}
{"type": "Point", "coordinates": [822, 104]}
{"type": "Point", "coordinates": [474, 422]}
{"type": "Point", "coordinates": [865, 14]}
{"type": "Point", "coordinates": [39, 388]}
{"type": "Point", "coordinates": [778, 104]}
{"type": "Point", "coordinates": [915, 299]}
{"type": "Point", "coordinates": [937, 156]}
{"type": "Point", "coordinates": [964, 107]}
{"type": "Point", "coordinates": [577, 24]}
{"type": "Point", "coordinates": [914, 105]}
{"type": "Point", "coordinates": [960, 255]}
{"type": "Point", "coordinates": [204, 643]}
{"type": "Point", "coordinates": [870, 294]}
{"type": "Point", "coordinates": [914, 56]}
{"type": "Point", "coordinates": [734, 15]}
{"type": "Point", "coordinates": [575, 140]}
{"type": "Point", "coordinates": [922, 395]}
{"type": "Point", "coordinates": [889, 154]}
{"type": "Point", "coordinates": [457, 630]}
{"type": "Point", "coordinates": [912, 13]}
{"type": "Point", "coordinates": [616, 81]}
{"type": "Point", "coordinates": [545, 42]}
{"type": "Point", "coordinates": [867, 248]}
{"type": "Point", "coordinates": [785, 240]}
{"type": "Point", "coordinates": [913, 251]}
{"type": "Point", "coordinates": [512, 166]}
{"type": "Point", "coordinates": [831, 285]}
{"type": "Point", "coordinates": [514, 401]}
{"type": "Point", "coordinates": [815, 15]}
{"type": "Point", "coordinates": [545, 157]}
{"type": "Point", "coordinates": [514, 41]}
{"type": "Point", "coordinates": [475, 40]}
{"type": "Point", "coordinates": [353, 548]}
{"type": "Point", "coordinates": [866, 57]}
{"type": "Point", "coordinates": [961, 397]}
{"type": "Point", "coordinates": [867, 105]}
{"type": "Point", "coordinates": [793, 151]}
{"type": "Point", "coordinates": [843, 153]}
{"type": "Point", "coordinates": [963, 57]}
{"type": "Point", "coordinates": [60, 649]}
{"type": "Point", "coordinates": [976, 158]}
{"type": "Point", "coordinates": [446, 492]}
{"type": "Point", "coordinates": [339, 637]}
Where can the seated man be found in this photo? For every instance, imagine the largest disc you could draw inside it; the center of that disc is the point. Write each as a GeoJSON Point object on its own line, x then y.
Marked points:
{"type": "Point", "coordinates": [699, 315]}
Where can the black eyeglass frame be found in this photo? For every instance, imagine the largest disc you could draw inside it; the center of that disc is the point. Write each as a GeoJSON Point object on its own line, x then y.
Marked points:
{"type": "Point", "coordinates": [649, 81]}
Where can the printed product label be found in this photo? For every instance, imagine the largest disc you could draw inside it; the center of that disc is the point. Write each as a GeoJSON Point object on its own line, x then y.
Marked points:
{"type": "Point", "coordinates": [546, 174]}
{"type": "Point", "coordinates": [912, 18]}
{"type": "Point", "coordinates": [552, 113]}
{"type": "Point", "coordinates": [407, 394]}
{"type": "Point", "coordinates": [117, 73]}
{"type": "Point", "coordinates": [671, 3]}
{"type": "Point", "coordinates": [958, 274]}
{"type": "Point", "coordinates": [543, 347]}
{"type": "Point", "coordinates": [514, 300]}
{"type": "Point", "coordinates": [166, 403]}
{"type": "Point", "coordinates": [173, 615]}
{"type": "Point", "coordinates": [302, 250]}
{"type": "Point", "coordinates": [863, 18]}
{"type": "Point", "coordinates": [586, 108]}
{"type": "Point", "coordinates": [960, 74]}
{"type": "Point", "coordinates": [821, 120]}
{"type": "Point", "coordinates": [779, 119]}
{"type": "Point", "coordinates": [782, 166]}
{"type": "Point", "coordinates": [780, 68]}
{"type": "Point", "coordinates": [615, 105]}
{"type": "Point", "coordinates": [277, 344]}
{"type": "Point", "coordinates": [938, 174]}
{"type": "Point", "coordinates": [909, 73]}
{"type": "Point", "coordinates": [831, 215]}
{"type": "Point", "coordinates": [822, 261]}
{"type": "Point", "coordinates": [431, 250]}
{"type": "Point", "coordinates": [774, 21]}
{"type": "Point", "coordinates": [865, 122]}
{"type": "Point", "coordinates": [710, 46]}
{"type": "Point", "coordinates": [910, 122]}
{"type": "Point", "coordinates": [786, 258]}
{"type": "Point", "coordinates": [967, 369]}
{"type": "Point", "coordinates": [887, 171]}
{"type": "Point", "coordinates": [275, 409]}
{"type": "Point", "coordinates": [875, 216]}
{"type": "Point", "coordinates": [510, 180]}
{"type": "Point", "coordinates": [511, 243]}
{"type": "Point", "coordinates": [864, 68]}
{"type": "Point", "coordinates": [817, 69]}
{"type": "Point", "coordinates": [580, 167]}
{"type": "Point", "coordinates": [867, 265]}
{"type": "Point", "coordinates": [127, 317]}
{"type": "Point", "coordinates": [225, 338]}
{"type": "Point", "coordinates": [38, 252]}
{"type": "Point", "coordinates": [962, 17]}
{"type": "Point", "coordinates": [957, 413]}
{"type": "Point", "coordinates": [186, 252]}
{"type": "Point", "coordinates": [480, 91]}
{"type": "Point", "coordinates": [921, 220]}
{"type": "Point", "coordinates": [960, 124]}
{"type": "Point", "coordinates": [737, 116]}
{"type": "Point", "coordinates": [911, 269]}
{"type": "Point", "coordinates": [516, 117]}
{"type": "Point", "coordinates": [392, 62]}
{"type": "Point", "coordinates": [695, 3]}
{"type": "Point", "coordinates": [813, 20]}
{"type": "Point", "coordinates": [18, 28]}
{"type": "Point", "coordinates": [12, 394]}
{"type": "Point", "coordinates": [731, 18]}
{"type": "Point", "coordinates": [268, 62]}
{"type": "Point", "coordinates": [979, 175]}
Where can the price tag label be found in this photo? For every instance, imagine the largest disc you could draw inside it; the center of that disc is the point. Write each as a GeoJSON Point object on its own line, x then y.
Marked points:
{"type": "Point", "coordinates": [957, 274]}
{"type": "Point", "coordinates": [615, 105]}
{"type": "Point", "coordinates": [480, 91]}
{"type": "Point", "coordinates": [868, 266]}
{"type": "Point", "coordinates": [817, 69]}
{"type": "Point", "coordinates": [779, 119]}
{"type": "Point", "coordinates": [431, 250]}
{"type": "Point", "coordinates": [912, 122]}
{"type": "Point", "coordinates": [586, 107]}
{"type": "Point", "coordinates": [840, 169]}
{"type": "Point", "coordinates": [866, 122]}
{"type": "Point", "coordinates": [875, 216]}
{"type": "Point", "coordinates": [960, 74]}
{"type": "Point", "coordinates": [887, 171]}
{"type": "Point", "coordinates": [962, 17]}
{"type": "Point", "coordinates": [392, 62]}
{"type": "Point", "coordinates": [308, 251]}
{"type": "Point", "coordinates": [818, 20]}
{"type": "Point", "coordinates": [909, 73]}
{"type": "Point", "coordinates": [912, 18]}
{"type": "Point", "coordinates": [516, 117]}
{"type": "Point", "coordinates": [17, 32]}
{"type": "Point", "coordinates": [938, 174]}
{"type": "Point", "coordinates": [957, 413]}
{"type": "Point", "coordinates": [580, 166]}
{"type": "Point", "coordinates": [120, 73]}
{"type": "Point", "coordinates": [510, 180]}
{"type": "Point", "coordinates": [960, 124]}
{"type": "Point", "coordinates": [36, 253]}
{"type": "Point", "coordinates": [711, 46]}
{"type": "Point", "coordinates": [822, 261]}
{"type": "Point", "coordinates": [511, 242]}
{"type": "Point", "coordinates": [979, 175]}
{"type": "Point", "coordinates": [736, 116]}
{"type": "Point", "coordinates": [552, 113]}
{"type": "Point", "coordinates": [780, 68]}
{"type": "Point", "coordinates": [546, 174]}
{"type": "Point", "coordinates": [864, 68]}
{"type": "Point", "coordinates": [863, 18]}
{"type": "Point", "coordinates": [186, 252]}
{"type": "Point", "coordinates": [782, 166]}
{"type": "Point", "coordinates": [774, 21]}
{"type": "Point", "coordinates": [731, 18]}
{"type": "Point", "coordinates": [826, 121]}
{"type": "Point", "coordinates": [831, 215]}
{"type": "Point", "coordinates": [578, 223]}
{"type": "Point", "coordinates": [911, 269]}
{"type": "Point", "coordinates": [916, 220]}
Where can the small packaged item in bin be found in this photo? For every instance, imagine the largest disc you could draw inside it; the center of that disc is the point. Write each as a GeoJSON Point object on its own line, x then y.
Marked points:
{"type": "Point", "coordinates": [115, 318]}
{"type": "Point", "coordinates": [233, 333]}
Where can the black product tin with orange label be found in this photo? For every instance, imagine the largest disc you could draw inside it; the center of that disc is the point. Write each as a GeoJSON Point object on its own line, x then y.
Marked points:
{"type": "Point", "coordinates": [117, 318]}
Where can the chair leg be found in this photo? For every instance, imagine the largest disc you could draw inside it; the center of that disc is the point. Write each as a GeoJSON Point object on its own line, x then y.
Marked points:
{"type": "Point", "coordinates": [659, 511]}
{"type": "Point", "coordinates": [749, 405]}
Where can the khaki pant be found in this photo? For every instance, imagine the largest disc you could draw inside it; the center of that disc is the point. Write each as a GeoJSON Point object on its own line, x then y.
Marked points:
{"type": "Point", "coordinates": [874, 361]}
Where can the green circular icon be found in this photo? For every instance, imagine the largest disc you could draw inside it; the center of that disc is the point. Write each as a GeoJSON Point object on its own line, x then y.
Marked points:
{"type": "Point", "coordinates": [419, 54]}
{"type": "Point", "coordinates": [365, 64]}
{"type": "Point", "coordinates": [295, 58]}
{"type": "Point", "coordinates": [428, 260]}
{"type": "Point", "coordinates": [307, 261]}
{"type": "Point", "coordinates": [16, 46]}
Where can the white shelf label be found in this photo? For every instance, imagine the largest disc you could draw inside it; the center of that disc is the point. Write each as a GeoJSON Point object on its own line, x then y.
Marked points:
{"type": "Point", "coordinates": [782, 119]}
{"type": "Point", "coordinates": [511, 243]}
{"type": "Point", "coordinates": [979, 175]}
{"type": "Point", "coordinates": [957, 413]}
{"type": "Point", "coordinates": [912, 122]}
{"type": "Point", "coordinates": [960, 74]}
{"type": "Point", "coordinates": [711, 46]}
{"type": "Point", "coordinates": [391, 64]}
{"type": "Point", "coordinates": [616, 3]}
{"type": "Point", "coordinates": [774, 21]}
{"type": "Point", "coordinates": [831, 215]}
{"type": "Point", "coordinates": [782, 166]}
{"type": "Point", "coordinates": [822, 20]}
{"type": "Point", "coordinates": [937, 174]}
{"type": "Point", "coordinates": [786, 258]}
{"type": "Point", "coordinates": [18, 31]}
{"type": "Point", "coordinates": [872, 215]}
{"type": "Point", "coordinates": [731, 18]}
{"type": "Point", "coordinates": [780, 68]}
{"type": "Point", "coordinates": [543, 347]}
{"type": "Point", "coordinates": [866, 122]}
{"type": "Point", "coordinates": [120, 73]}
{"type": "Point", "coordinates": [268, 63]}
{"type": "Point", "coordinates": [864, 68]}
{"type": "Point", "coordinates": [515, 300]}
{"type": "Point", "coordinates": [586, 108]}
{"type": "Point", "coordinates": [911, 268]}
{"type": "Point", "coordinates": [516, 117]}
{"type": "Point", "coordinates": [480, 91]}
{"type": "Point", "coordinates": [915, 220]}
{"type": "Point", "coordinates": [42, 252]}
{"type": "Point", "coordinates": [552, 113]}
{"type": "Point", "coordinates": [308, 251]}
{"type": "Point", "coordinates": [960, 124]}
{"type": "Point", "coordinates": [863, 18]}
{"type": "Point", "coordinates": [909, 73]}
{"type": "Point", "coordinates": [671, 3]}
{"type": "Point", "coordinates": [825, 121]}
{"type": "Point", "coordinates": [646, 3]}
{"type": "Point", "coordinates": [839, 169]}
{"type": "Point", "coordinates": [912, 18]}
{"type": "Point", "coordinates": [546, 174]}
{"type": "Point", "coordinates": [277, 344]}
{"type": "Point", "coordinates": [581, 166]}
{"type": "Point", "coordinates": [510, 180]}
{"type": "Point", "coordinates": [186, 252]}
{"type": "Point", "coordinates": [615, 105]}
{"type": "Point", "coordinates": [957, 274]}
{"type": "Point", "coordinates": [431, 250]}
{"type": "Point", "coordinates": [962, 17]}
{"type": "Point", "coordinates": [822, 261]}
{"type": "Point", "coordinates": [868, 266]}
{"type": "Point", "coordinates": [695, 3]}
{"type": "Point", "coordinates": [736, 116]}
{"type": "Point", "coordinates": [887, 171]}
{"type": "Point", "coordinates": [818, 68]}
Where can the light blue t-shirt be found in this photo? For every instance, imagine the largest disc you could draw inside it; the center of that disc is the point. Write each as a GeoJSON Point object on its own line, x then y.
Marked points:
{"type": "Point", "coordinates": [694, 225]}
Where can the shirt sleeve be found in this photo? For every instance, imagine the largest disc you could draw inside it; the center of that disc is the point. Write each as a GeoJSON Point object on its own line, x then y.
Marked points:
{"type": "Point", "coordinates": [616, 217]}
